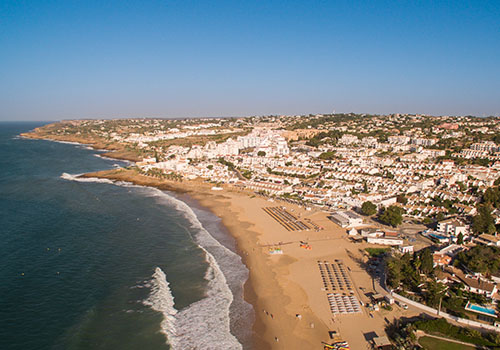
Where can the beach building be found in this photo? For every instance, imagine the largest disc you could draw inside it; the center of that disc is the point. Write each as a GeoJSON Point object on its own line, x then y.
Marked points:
{"type": "Point", "coordinates": [382, 343]}
{"type": "Point", "coordinates": [352, 232]}
{"type": "Point", "coordinates": [370, 232]}
{"type": "Point", "coordinates": [346, 219]}
{"type": "Point", "coordinates": [385, 241]}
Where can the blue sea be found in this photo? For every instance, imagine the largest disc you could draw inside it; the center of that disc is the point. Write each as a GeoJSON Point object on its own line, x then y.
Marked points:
{"type": "Point", "coordinates": [100, 265]}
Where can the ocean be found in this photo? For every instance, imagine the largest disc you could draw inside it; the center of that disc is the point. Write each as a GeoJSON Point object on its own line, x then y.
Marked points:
{"type": "Point", "coordinates": [91, 264]}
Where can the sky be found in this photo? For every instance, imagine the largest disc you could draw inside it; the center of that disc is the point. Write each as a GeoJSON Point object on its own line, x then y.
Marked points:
{"type": "Point", "coordinates": [108, 59]}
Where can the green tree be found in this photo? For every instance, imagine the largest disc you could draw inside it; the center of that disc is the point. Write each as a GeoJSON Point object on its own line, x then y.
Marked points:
{"type": "Point", "coordinates": [261, 154]}
{"type": "Point", "coordinates": [394, 275]}
{"type": "Point", "coordinates": [392, 215]}
{"type": "Point", "coordinates": [461, 186]}
{"type": "Point", "coordinates": [484, 259]}
{"type": "Point", "coordinates": [402, 199]}
{"type": "Point", "coordinates": [427, 265]}
{"type": "Point", "coordinates": [440, 216]}
{"type": "Point", "coordinates": [492, 196]}
{"type": "Point", "coordinates": [365, 187]}
{"type": "Point", "coordinates": [368, 208]}
{"type": "Point", "coordinates": [327, 155]}
{"type": "Point", "coordinates": [460, 238]}
{"type": "Point", "coordinates": [483, 221]}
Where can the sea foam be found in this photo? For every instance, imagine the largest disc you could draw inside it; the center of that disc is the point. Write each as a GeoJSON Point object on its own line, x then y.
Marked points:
{"type": "Point", "coordinates": [66, 142]}
{"type": "Point", "coordinates": [204, 324]}
{"type": "Point", "coordinates": [76, 177]}
{"type": "Point", "coordinates": [162, 300]}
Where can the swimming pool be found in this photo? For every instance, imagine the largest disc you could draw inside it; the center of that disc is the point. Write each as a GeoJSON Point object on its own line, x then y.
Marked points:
{"type": "Point", "coordinates": [433, 235]}
{"type": "Point", "coordinates": [480, 309]}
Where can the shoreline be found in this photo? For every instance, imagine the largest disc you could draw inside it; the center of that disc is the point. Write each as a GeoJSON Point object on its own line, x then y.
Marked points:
{"type": "Point", "coordinates": [249, 294]}
{"type": "Point", "coordinates": [210, 201]}
{"type": "Point", "coordinates": [290, 304]}
{"type": "Point", "coordinates": [269, 288]}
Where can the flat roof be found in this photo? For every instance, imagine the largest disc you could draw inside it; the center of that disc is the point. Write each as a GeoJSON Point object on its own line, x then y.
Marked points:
{"type": "Point", "coordinates": [488, 237]}
{"type": "Point", "coordinates": [382, 341]}
{"type": "Point", "coordinates": [352, 215]}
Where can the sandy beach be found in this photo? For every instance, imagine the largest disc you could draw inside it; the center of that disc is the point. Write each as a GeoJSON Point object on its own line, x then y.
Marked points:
{"type": "Point", "coordinates": [286, 290]}
{"type": "Point", "coordinates": [282, 287]}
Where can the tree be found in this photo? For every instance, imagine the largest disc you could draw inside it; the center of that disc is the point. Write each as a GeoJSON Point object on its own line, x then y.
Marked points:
{"type": "Point", "coordinates": [484, 259]}
{"type": "Point", "coordinates": [427, 265]}
{"type": "Point", "coordinates": [365, 187]}
{"type": "Point", "coordinates": [327, 155]}
{"type": "Point", "coordinates": [460, 238]}
{"type": "Point", "coordinates": [392, 215]}
{"type": "Point", "coordinates": [402, 199]}
{"type": "Point", "coordinates": [461, 186]}
{"type": "Point", "coordinates": [394, 272]}
{"type": "Point", "coordinates": [368, 208]}
{"type": "Point", "coordinates": [440, 216]}
{"type": "Point", "coordinates": [492, 196]}
{"type": "Point", "coordinates": [261, 154]}
{"type": "Point", "coordinates": [483, 221]}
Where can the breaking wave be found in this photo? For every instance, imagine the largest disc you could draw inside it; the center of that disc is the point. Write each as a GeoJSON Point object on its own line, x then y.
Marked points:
{"type": "Point", "coordinates": [66, 142]}
{"type": "Point", "coordinates": [77, 177]}
{"type": "Point", "coordinates": [205, 324]}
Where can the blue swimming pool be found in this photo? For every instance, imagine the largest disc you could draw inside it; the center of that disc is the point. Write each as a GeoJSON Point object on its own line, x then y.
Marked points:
{"type": "Point", "coordinates": [481, 309]}
{"type": "Point", "coordinates": [433, 235]}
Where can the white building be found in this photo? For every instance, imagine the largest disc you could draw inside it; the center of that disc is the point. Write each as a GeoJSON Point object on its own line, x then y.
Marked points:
{"type": "Point", "coordinates": [452, 227]}
{"type": "Point", "coordinates": [348, 139]}
{"type": "Point", "coordinates": [346, 219]}
{"type": "Point", "coordinates": [398, 140]}
{"type": "Point", "coordinates": [385, 241]}
{"type": "Point", "coordinates": [406, 249]}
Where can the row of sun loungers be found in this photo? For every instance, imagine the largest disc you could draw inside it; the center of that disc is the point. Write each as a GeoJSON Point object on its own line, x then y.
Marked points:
{"type": "Point", "coordinates": [335, 276]}
{"type": "Point", "coordinates": [287, 220]}
{"type": "Point", "coordinates": [343, 304]}
{"type": "Point", "coordinates": [310, 222]}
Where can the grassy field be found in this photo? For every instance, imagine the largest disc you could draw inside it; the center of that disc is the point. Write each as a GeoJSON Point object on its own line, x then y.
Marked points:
{"type": "Point", "coordinates": [436, 344]}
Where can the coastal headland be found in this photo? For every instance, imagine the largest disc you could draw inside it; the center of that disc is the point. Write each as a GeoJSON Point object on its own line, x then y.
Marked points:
{"type": "Point", "coordinates": [113, 150]}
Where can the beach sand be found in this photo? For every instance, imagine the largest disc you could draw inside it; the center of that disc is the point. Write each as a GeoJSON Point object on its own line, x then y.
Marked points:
{"type": "Point", "coordinates": [280, 287]}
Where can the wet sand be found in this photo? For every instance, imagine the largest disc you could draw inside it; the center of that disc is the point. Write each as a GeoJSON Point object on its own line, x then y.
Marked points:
{"type": "Point", "coordinates": [280, 287]}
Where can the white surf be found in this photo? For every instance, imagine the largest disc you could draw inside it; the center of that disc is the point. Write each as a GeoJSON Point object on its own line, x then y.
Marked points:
{"type": "Point", "coordinates": [204, 324]}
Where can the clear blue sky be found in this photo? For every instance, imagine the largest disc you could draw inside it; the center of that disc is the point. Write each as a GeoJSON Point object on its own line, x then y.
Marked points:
{"type": "Point", "coordinates": [103, 59]}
